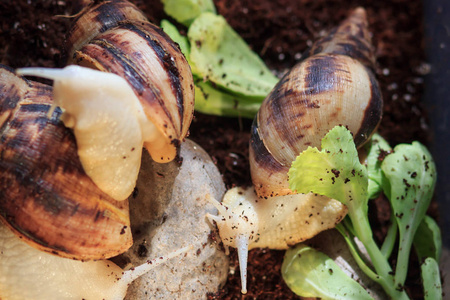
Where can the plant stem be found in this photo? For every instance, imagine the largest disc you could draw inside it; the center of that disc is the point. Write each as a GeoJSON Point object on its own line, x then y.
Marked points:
{"type": "Point", "coordinates": [349, 238]}
{"type": "Point", "coordinates": [404, 250]}
{"type": "Point", "coordinates": [383, 269]}
{"type": "Point", "coordinates": [389, 240]}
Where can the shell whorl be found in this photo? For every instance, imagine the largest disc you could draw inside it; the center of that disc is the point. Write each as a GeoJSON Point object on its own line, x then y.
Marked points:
{"type": "Point", "coordinates": [333, 86]}
{"type": "Point", "coordinates": [46, 197]}
{"type": "Point", "coordinates": [350, 38]}
{"type": "Point", "coordinates": [98, 17]}
{"type": "Point", "coordinates": [148, 59]}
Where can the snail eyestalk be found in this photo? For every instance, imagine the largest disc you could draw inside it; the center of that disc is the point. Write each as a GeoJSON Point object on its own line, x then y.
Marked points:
{"type": "Point", "coordinates": [238, 226]}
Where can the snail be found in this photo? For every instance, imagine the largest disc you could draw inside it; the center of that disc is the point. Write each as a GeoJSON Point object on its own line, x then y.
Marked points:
{"type": "Point", "coordinates": [144, 98]}
{"type": "Point", "coordinates": [27, 273]}
{"type": "Point", "coordinates": [115, 37]}
{"type": "Point", "coordinates": [46, 197]}
{"type": "Point", "coordinates": [334, 85]}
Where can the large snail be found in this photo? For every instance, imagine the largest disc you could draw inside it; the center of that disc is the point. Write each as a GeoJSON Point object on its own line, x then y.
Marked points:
{"type": "Point", "coordinates": [48, 197]}
{"type": "Point", "coordinates": [114, 36]}
{"type": "Point", "coordinates": [334, 85]}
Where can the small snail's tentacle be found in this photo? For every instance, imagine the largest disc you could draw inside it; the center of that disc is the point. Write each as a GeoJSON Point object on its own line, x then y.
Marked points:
{"type": "Point", "coordinates": [238, 226]}
{"type": "Point", "coordinates": [242, 248]}
{"type": "Point", "coordinates": [46, 196]}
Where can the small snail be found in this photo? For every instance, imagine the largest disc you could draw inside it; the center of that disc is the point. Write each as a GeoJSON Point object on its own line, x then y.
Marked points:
{"type": "Point", "coordinates": [144, 98]}
{"type": "Point", "coordinates": [334, 85]}
{"type": "Point", "coordinates": [114, 36]}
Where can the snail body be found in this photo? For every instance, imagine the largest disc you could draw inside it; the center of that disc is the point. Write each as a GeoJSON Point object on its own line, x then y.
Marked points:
{"type": "Point", "coordinates": [27, 273]}
{"type": "Point", "coordinates": [46, 197]}
{"type": "Point", "coordinates": [108, 122]}
{"type": "Point", "coordinates": [333, 86]}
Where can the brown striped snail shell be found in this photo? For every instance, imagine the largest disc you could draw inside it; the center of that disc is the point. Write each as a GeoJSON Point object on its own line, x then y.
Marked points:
{"type": "Point", "coordinates": [96, 17]}
{"type": "Point", "coordinates": [157, 95]}
{"type": "Point", "coordinates": [333, 86]}
{"type": "Point", "coordinates": [122, 41]}
{"type": "Point", "coordinates": [46, 197]}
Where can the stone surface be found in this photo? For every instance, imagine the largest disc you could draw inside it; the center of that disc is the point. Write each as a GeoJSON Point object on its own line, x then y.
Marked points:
{"type": "Point", "coordinates": [168, 212]}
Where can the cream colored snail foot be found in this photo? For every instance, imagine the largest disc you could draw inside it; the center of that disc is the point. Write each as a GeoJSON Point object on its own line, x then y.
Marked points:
{"type": "Point", "coordinates": [27, 273]}
{"type": "Point", "coordinates": [246, 221]}
{"type": "Point", "coordinates": [108, 121]}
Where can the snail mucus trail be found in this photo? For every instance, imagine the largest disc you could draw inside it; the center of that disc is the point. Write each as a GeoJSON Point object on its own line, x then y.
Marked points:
{"type": "Point", "coordinates": [333, 85]}
{"type": "Point", "coordinates": [64, 191]}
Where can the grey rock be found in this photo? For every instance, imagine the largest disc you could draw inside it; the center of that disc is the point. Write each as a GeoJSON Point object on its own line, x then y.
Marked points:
{"type": "Point", "coordinates": [168, 212]}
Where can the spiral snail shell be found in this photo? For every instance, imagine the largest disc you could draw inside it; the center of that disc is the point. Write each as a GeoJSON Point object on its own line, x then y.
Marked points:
{"type": "Point", "coordinates": [333, 86]}
{"type": "Point", "coordinates": [46, 197]}
{"type": "Point", "coordinates": [114, 37]}
{"type": "Point", "coordinates": [153, 65]}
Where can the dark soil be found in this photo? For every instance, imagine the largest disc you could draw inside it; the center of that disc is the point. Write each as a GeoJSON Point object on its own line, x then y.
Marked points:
{"type": "Point", "coordinates": [32, 33]}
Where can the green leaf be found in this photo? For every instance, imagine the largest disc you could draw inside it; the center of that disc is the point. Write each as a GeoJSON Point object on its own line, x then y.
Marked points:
{"type": "Point", "coordinates": [310, 273]}
{"type": "Point", "coordinates": [335, 171]}
{"type": "Point", "coordinates": [428, 240]}
{"type": "Point", "coordinates": [411, 176]}
{"type": "Point", "coordinates": [431, 279]}
{"type": "Point", "coordinates": [185, 11]}
{"type": "Point", "coordinates": [220, 55]}
{"type": "Point", "coordinates": [377, 149]}
{"type": "Point", "coordinates": [210, 100]}
{"type": "Point", "coordinates": [177, 37]}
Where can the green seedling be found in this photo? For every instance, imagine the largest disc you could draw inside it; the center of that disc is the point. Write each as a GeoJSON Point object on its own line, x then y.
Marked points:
{"type": "Point", "coordinates": [230, 79]}
{"type": "Point", "coordinates": [311, 273]}
{"type": "Point", "coordinates": [407, 176]}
